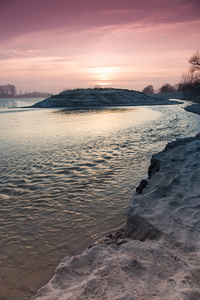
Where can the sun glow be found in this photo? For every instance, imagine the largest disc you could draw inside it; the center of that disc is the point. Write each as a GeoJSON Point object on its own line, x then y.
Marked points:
{"type": "Point", "coordinates": [103, 76]}
{"type": "Point", "coordinates": [104, 73]}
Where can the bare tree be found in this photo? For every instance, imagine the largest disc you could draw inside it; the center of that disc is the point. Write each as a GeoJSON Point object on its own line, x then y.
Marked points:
{"type": "Point", "coordinates": [8, 90]}
{"type": "Point", "coordinates": [12, 89]}
{"type": "Point", "coordinates": [195, 61]}
{"type": "Point", "coordinates": [189, 81]}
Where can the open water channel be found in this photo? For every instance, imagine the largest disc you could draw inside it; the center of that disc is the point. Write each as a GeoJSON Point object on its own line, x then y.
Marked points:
{"type": "Point", "coordinates": [67, 177]}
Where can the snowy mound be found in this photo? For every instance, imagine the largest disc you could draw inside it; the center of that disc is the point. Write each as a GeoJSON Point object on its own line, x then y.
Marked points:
{"type": "Point", "coordinates": [157, 256]}
{"type": "Point", "coordinates": [85, 98]}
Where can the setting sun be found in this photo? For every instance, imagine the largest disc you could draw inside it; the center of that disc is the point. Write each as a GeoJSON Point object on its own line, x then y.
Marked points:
{"type": "Point", "coordinates": [107, 43]}
{"type": "Point", "coordinates": [104, 73]}
{"type": "Point", "coordinates": [103, 76]}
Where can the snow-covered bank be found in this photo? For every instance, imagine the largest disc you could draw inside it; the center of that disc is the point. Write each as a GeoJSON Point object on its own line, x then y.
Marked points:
{"type": "Point", "coordinates": [195, 108]}
{"type": "Point", "coordinates": [158, 255]}
{"type": "Point", "coordinates": [86, 98]}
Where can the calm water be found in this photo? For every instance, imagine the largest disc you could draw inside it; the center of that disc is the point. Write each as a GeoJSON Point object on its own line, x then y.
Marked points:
{"type": "Point", "coordinates": [66, 178]}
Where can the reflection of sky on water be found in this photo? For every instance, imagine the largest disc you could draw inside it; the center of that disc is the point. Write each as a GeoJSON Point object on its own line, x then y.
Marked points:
{"type": "Point", "coordinates": [66, 178]}
{"type": "Point", "coordinates": [45, 127]}
{"type": "Point", "coordinates": [15, 102]}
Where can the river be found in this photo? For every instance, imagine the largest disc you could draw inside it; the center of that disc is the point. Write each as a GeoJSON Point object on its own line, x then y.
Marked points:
{"type": "Point", "coordinates": [66, 178]}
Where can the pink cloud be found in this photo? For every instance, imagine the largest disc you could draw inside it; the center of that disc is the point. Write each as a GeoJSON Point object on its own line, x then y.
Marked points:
{"type": "Point", "coordinates": [58, 44]}
{"type": "Point", "coordinates": [21, 16]}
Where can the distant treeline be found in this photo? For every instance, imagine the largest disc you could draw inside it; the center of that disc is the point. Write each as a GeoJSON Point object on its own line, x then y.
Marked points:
{"type": "Point", "coordinates": [187, 85]}
{"type": "Point", "coordinates": [34, 95]}
{"type": "Point", "coordinates": [190, 80]}
{"type": "Point", "coordinates": [9, 90]}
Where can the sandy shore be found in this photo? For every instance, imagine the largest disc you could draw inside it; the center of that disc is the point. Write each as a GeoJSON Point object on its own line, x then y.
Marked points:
{"type": "Point", "coordinates": [157, 254]}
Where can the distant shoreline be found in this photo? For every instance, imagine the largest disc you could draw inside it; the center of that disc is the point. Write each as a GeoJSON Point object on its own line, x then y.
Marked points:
{"type": "Point", "coordinates": [23, 96]}
{"type": "Point", "coordinates": [194, 108]}
{"type": "Point", "coordinates": [93, 98]}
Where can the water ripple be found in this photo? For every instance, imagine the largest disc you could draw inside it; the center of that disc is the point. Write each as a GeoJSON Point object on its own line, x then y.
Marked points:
{"type": "Point", "coordinates": [60, 187]}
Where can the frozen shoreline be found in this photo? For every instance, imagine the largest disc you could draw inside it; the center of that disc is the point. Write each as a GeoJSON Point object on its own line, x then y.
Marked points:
{"type": "Point", "coordinates": [160, 258]}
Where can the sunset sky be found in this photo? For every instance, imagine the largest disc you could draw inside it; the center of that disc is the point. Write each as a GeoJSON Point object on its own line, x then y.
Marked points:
{"type": "Point", "coordinates": [50, 45]}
